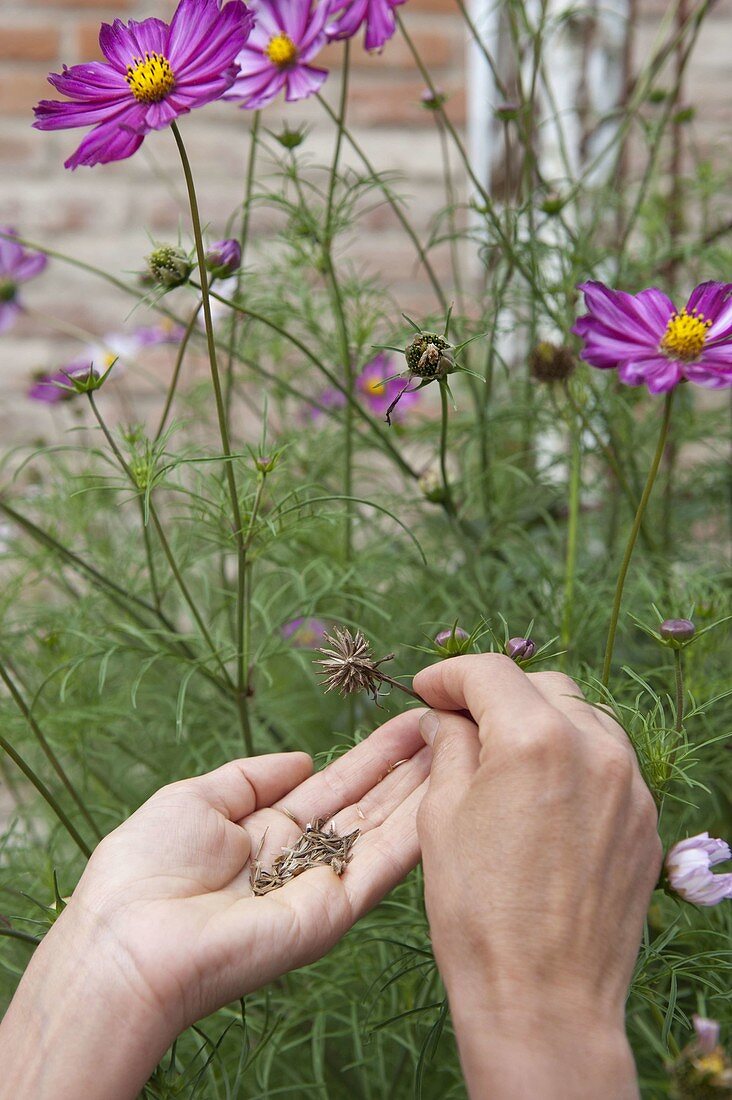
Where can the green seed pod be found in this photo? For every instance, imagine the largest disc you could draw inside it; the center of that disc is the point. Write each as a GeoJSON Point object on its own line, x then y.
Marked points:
{"type": "Point", "coordinates": [169, 267]}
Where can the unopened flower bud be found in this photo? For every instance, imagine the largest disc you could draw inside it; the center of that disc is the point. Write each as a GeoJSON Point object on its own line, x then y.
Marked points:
{"type": "Point", "coordinates": [224, 258]}
{"type": "Point", "coordinates": [169, 266]}
{"type": "Point", "coordinates": [677, 630]}
{"type": "Point", "coordinates": [428, 356]}
{"type": "Point", "coordinates": [553, 204]}
{"type": "Point", "coordinates": [451, 643]}
{"type": "Point", "coordinates": [520, 649]}
{"type": "Point", "coordinates": [265, 463]}
{"type": "Point", "coordinates": [431, 487]}
{"type": "Point", "coordinates": [550, 362]}
{"type": "Point", "coordinates": [290, 139]}
{"type": "Point", "coordinates": [432, 100]}
{"type": "Point", "coordinates": [507, 112]}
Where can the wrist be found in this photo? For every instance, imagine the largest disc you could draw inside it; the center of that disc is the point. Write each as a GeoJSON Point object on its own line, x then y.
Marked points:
{"type": "Point", "coordinates": [80, 1024]}
{"type": "Point", "coordinates": [528, 1045]}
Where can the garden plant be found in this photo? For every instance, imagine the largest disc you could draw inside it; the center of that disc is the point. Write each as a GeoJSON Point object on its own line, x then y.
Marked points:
{"type": "Point", "coordinates": [336, 491]}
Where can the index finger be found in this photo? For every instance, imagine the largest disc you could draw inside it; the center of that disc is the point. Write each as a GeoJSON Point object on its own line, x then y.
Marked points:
{"type": "Point", "coordinates": [490, 686]}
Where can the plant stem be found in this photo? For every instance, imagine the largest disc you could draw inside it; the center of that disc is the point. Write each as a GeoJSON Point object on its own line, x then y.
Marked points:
{"type": "Point", "coordinates": [242, 703]}
{"type": "Point", "coordinates": [394, 203]}
{"type": "Point", "coordinates": [165, 545]}
{"type": "Point", "coordinates": [643, 503]}
{"type": "Point", "coordinates": [449, 502]}
{"type": "Point", "coordinates": [15, 934]}
{"type": "Point", "coordinates": [679, 678]}
{"type": "Point", "coordinates": [340, 315]}
{"type": "Point", "coordinates": [47, 796]}
{"type": "Point", "coordinates": [402, 687]}
{"type": "Point", "coordinates": [183, 347]}
{"type": "Point", "coordinates": [243, 241]}
{"type": "Point", "coordinates": [49, 753]}
{"type": "Point", "coordinates": [575, 484]}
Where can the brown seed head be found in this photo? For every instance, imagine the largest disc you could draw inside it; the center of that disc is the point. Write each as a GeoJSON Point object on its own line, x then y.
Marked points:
{"type": "Point", "coordinates": [349, 664]}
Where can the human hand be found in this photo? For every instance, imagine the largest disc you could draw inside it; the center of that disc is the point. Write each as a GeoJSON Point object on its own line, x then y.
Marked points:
{"type": "Point", "coordinates": [163, 928]}
{"type": "Point", "coordinates": [540, 854]}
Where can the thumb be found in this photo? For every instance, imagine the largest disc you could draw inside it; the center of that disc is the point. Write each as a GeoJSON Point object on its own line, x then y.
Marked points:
{"type": "Point", "coordinates": [455, 751]}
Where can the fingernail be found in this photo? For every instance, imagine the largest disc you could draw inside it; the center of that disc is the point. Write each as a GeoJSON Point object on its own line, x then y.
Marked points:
{"type": "Point", "coordinates": [429, 724]}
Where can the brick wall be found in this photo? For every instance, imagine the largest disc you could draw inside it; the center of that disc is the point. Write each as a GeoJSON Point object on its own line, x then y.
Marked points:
{"type": "Point", "coordinates": [104, 214]}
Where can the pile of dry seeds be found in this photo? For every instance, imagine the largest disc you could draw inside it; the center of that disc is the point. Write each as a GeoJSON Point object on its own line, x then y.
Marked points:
{"type": "Point", "coordinates": [315, 847]}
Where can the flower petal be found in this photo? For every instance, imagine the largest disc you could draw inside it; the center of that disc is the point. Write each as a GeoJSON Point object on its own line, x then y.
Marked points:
{"type": "Point", "coordinates": [303, 81]}
{"type": "Point", "coordinates": [658, 373]}
{"type": "Point", "coordinates": [126, 43]}
{"type": "Point", "coordinates": [105, 143]}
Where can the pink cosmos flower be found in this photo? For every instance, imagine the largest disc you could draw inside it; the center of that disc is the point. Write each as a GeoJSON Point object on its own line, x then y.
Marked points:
{"type": "Point", "coordinates": [305, 633]}
{"type": "Point", "coordinates": [651, 342]}
{"type": "Point", "coordinates": [707, 1034]}
{"type": "Point", "coordinates": [377, 15]}
{"type": "Point", "coordinates": [688, 870]}
{"type": "Point", "coordinates": [379, 393]}
{"type": "Point", "coordinates": [17, 265]}
{"type": "Point", "coordinates": [154, 72]}
{"type": "Point", "coordinates": [287, 36]}
{"type": "Point", "coordinates": [53, 388]}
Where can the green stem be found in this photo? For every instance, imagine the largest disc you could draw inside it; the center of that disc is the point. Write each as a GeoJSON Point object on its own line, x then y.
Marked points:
{"type": "Point", "coordinates": [340, 315]}
{"type": "Point", "coordinates": [46, 795]}
{"type": "Point", "coordinates": [575, 483]}
{"type": "Point", "coordinates": [333, 379]}
{"type": "Point", "coordinates": [488, 209]}
{"type": "Point", "coordinates": [165, 545]}
{"type": "Point", "coordinates": [182, 349]}
{"type": "Point", "coordinates": [24, 937]}
{"type": "Point", "coordinates": [640, 512]}
{"type": "Point", "coordinates": [449, 503]}
{"type": "Point", "coordinates": [47, 750]}
{"type": "Point", "coordinates": [149, 555]}
{"type": "Point", "coordinates": [220, 408]}
{"type": "Point", "coordinates": [679, 679]}
{"type": "Point", "coordinates": [243, 241]}
{"type": "Point", "coordinates": [393, 203]}
{"type": "Point", "coordinates": [244, 600]}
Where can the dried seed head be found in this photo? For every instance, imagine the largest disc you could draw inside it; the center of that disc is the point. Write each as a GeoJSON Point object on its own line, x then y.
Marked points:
{"type": "Point", "coordinates": [349, 664]}
{"type": "Point", "coordinates": [551, 362]}
{"type": "Point", "coordinates": [429, 356]}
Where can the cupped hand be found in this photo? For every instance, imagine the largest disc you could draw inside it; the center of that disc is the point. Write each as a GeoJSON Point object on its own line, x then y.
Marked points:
{"type": "Point", "coordinates": [169, 890]}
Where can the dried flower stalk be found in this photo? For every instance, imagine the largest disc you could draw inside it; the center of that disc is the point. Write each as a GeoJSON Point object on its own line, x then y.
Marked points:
{"type": "Point", "coordinates": [349, 666]}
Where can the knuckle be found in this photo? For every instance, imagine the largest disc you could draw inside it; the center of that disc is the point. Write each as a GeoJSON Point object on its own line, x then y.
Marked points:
{"type": "Point", "coordinates": [616, 763]}
{"type": "Point", "coordinates": [548, 736]}
{"type": "Point", "coordinates": [557, 681]}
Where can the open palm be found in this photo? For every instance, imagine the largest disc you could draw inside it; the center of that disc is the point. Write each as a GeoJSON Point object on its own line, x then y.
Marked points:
{"type": "Point", "coordinates": [171, 885]}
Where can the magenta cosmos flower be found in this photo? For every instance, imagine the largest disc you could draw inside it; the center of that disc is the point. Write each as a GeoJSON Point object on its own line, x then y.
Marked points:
{"type": "Point", "coordinates": [377, 15]}
{"type": "Point", "coordinates": [379, 389]}
{"type": "Point", "coordinates": [650, 341]}
{"type": "Point", "coordinates": [287, 36]}
{"type": "Point", "coordinates": [305, 633]}
{"type": "Point", "coordinates": [154, 72]}
{"type": "Point", "coordinates": [689, 870]}
{"type": "Point", "coordinates": [17, 265]}
{"type": "Point", "coordinates": [54, 388]}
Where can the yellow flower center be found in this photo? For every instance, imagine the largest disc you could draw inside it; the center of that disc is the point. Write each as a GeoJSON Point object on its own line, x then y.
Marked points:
{"type": "Point", "coordinates": [372, 387]}
{"type": "Point", "coordinates": [685, 336]}
{"type": "Point", "coordinates": [152, 79]}
{"type": "Point", "coordinates": [281, 50]}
